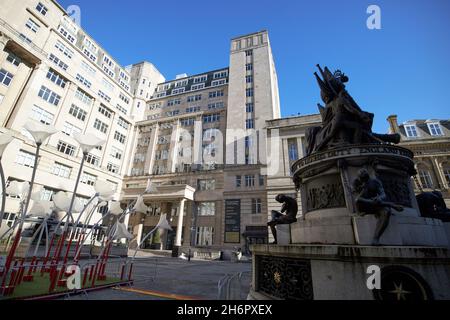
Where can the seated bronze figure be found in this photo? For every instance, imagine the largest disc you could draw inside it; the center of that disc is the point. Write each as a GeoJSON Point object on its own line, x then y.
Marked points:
{"type": "Point", "coordinates": [290, 207]}
{"type": "Point", "coordinates": [371, 199]}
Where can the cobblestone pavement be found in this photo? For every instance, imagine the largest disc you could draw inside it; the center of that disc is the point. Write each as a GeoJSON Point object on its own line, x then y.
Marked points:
{"type": "Point", "coordinates": [158, 278]}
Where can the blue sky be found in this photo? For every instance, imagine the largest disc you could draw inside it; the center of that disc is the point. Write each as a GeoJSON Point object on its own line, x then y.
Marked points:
{"type": "Point", "coordinates": [404, 68]}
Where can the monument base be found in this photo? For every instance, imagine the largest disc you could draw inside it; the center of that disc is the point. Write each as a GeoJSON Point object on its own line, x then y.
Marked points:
{"type": "Point", "coordinates": [349, 272]}
{"type": "Point", "coordinates": [283, 234]}
{"type": "Point", "coordinates": [356, 230]}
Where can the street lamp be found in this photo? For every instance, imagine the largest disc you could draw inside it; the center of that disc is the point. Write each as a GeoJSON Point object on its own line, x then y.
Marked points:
{"type": "Point", "coordinates": [104, 192]}
{"type": "Point", "coordinates": [87, 142]}
{"type": "Point", "coordinates": [40, 132]}
{"type": "Point", "coordinates": [20, 190]}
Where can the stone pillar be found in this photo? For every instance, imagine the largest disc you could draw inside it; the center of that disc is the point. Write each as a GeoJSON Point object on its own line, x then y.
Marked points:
{"type": "Point", "coordinates": [24, 83]}
{"type": "Point", "coordinates": [198, 139]}
{"type": "Point", "coordinates": [150, 156]}
{"type": "Point", "coordinates": [166, 208]}
{"type": "Point", "coordinates": [133, 147]}
{"type": "Point", "coordinates": [439, 173]}
{"type": "Point", "coordinates": [137, 230]}
{"type": "Point", "coordinates": [3, 41]}
{"type": "Point", "coordinates": [3, 55]}
{"type": "Point", "coordinates": [180, 224]}
{"type": "Point", "coordinates": [300, 149]}
{"type": "Point", "coordinates": [174, 147]}
{"type": "Point", "coordinates": [285, 157]}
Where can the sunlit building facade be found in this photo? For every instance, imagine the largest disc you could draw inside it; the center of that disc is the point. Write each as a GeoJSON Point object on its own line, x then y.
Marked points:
{"type": "Point", "coordinates": [53, 72]}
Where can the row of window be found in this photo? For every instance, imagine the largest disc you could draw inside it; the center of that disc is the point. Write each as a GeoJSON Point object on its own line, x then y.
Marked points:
{"type": "Point", "coordinates": [211, 106]}
{"type": "Point", "coordinates": [196, 80]}
{"type": "Point", "coordinates": [100, 126]}
{"type": "Point", "coordinates": [249, 93]}
{"type": "Point", "coordinates": [49, 95]}
{"type": "Point", "coordinates": [84, 96]}
{"type": "Point", "coordinates": [427, 181]}
{"type": "Point", "coordinates": [209, 208]}
{"type": "Point", "coordinates": [88, 48]}
{"type": "Point", "coordinates": [25, 39]}
{"type": "Point", "coordinates": [173, 102]}
{"type": "Point", "coordinates": [46, 117]}
{"type": "Point", "coordinates": [41, 115]}
{"type": "Point", "coordinates": [434, 128]}
{"type": "Point", "coordinates": [193, 109]}
{"type": "Point", "coordinates": [215, 105]}
{"type": "Point", "coordinates": [181, 89]}
{"type": "Point", "coordinates": [105, 111]}
{"type": "Point", "coordinates": [69, 129]}
{"type": "Point", "coordinates": [194, 98]}
{"type": "Point", "coordinates": [104, 96]}
{"type": "Point", "coordinates": [83, 80]}
{"type": "Point", "coordinates": [186, 122]}
{"type": "Point", "coordinates": [249, 180]}
{"type": "Point", "coordinates": [58, 62]}
{"type": "Point", "coordinates": [53, 98]}
{"type": "Point", "coordinates": [206, 184]}
{"type": "Point", "coordinates": [66, 34]}
{"type": "Point", "coordinates": [212, 94]}
{"type": "Point", "coordinates": [64, 49]}
{"type": "Point", "coordinates": [27, 159]}
{"type": "Point", "coordinates": [214, 117]}
{"type": "Point", "coordinates": [56, 78]}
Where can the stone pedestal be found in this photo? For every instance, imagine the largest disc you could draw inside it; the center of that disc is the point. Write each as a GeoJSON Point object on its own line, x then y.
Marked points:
{"type": "Point", "coordinates": [283, 234]}
{"type": "Point", "coordinates": [330, 254]}
{"type": "Point", "coordinates": [325, 180]}
{"type": "Point", "coordinates": [334, 272]}
{"type": "Point", "coordinates": [402, 231]}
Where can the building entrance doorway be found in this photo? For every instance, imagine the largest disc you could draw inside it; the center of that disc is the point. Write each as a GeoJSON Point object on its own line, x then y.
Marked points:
{"type": "Point", "coordinates": [153, 241]}
{"type": "Point", "coordinates": [170, 238]}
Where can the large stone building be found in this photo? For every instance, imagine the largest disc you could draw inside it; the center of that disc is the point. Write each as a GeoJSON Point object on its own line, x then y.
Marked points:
{"type": "Point", "coordinates": [203, 144]}
{"type": "Point", "coordinates": [52, 71]}
{"type": "Point", "coordinates": [430, 142]}
{"type": "Point", "coordinates": [213, 144]}
{"type": "Point", "coordinates": [201, 139]}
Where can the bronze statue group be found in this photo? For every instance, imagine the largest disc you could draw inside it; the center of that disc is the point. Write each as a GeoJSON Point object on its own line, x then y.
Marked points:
{"type": "Point", "coordinates": [345, 123]}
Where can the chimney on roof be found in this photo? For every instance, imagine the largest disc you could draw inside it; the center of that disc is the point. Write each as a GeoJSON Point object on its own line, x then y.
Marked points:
{"type": "Point", "coordinates": [393, 124]}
